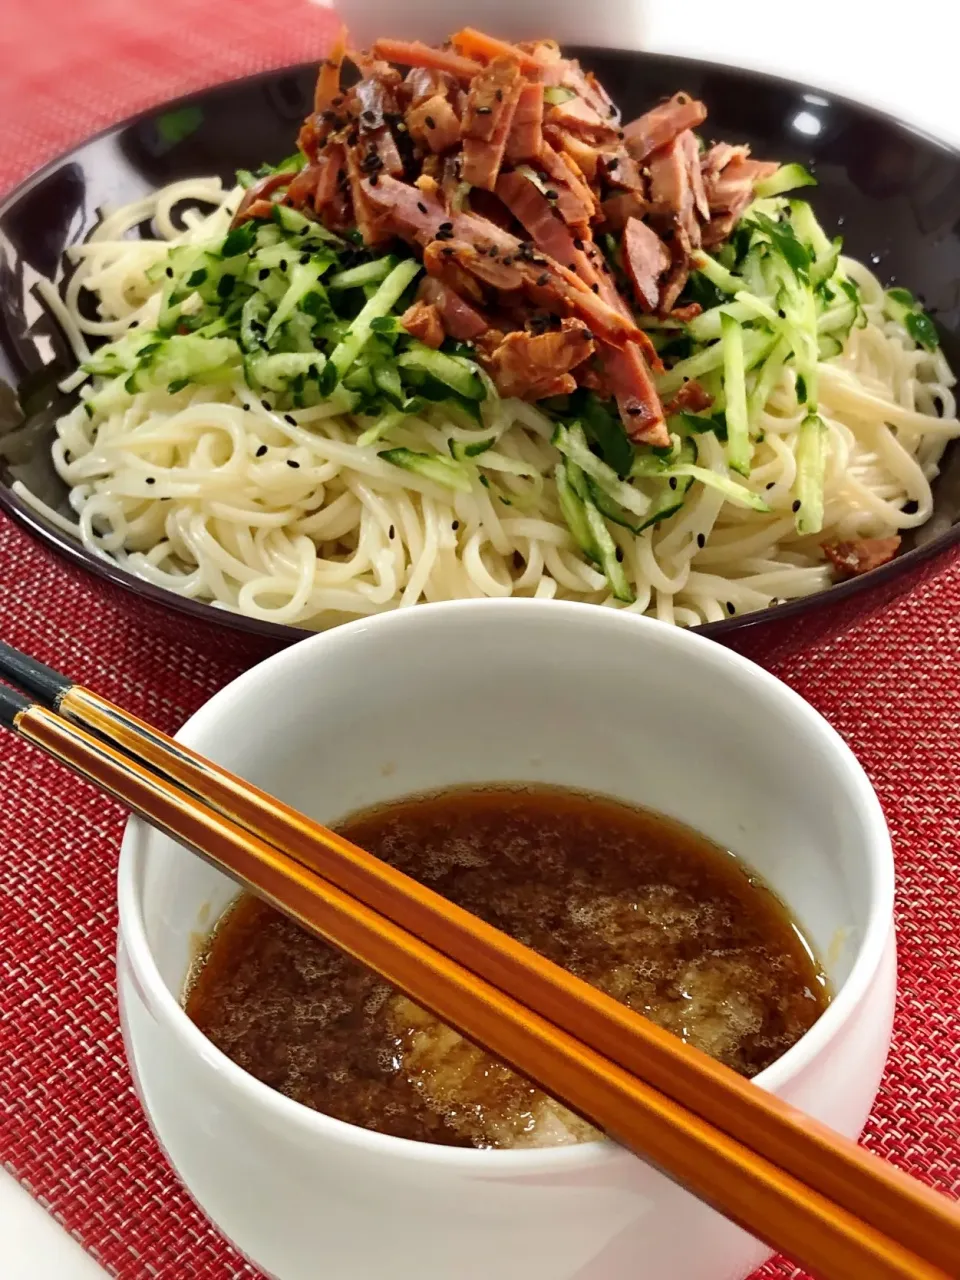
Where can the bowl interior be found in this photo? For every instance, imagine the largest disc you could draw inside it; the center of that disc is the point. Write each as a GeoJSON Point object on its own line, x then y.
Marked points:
{"type": "Point", "coordinates": [893, 194]}
{"type": "Point", "coordinates": [537, 691]}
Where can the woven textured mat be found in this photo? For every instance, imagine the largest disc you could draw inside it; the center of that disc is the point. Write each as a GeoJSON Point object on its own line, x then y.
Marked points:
{"type": "Point", "coordinates": [70, 1127]}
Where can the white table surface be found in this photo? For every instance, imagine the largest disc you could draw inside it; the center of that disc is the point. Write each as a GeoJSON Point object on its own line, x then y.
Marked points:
{"type": "Point", "coordinates": [906, 67]}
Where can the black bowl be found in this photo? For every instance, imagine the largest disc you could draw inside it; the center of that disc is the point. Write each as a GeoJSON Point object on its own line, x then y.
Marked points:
{"type": "Point", "coordinates": [893, 193]}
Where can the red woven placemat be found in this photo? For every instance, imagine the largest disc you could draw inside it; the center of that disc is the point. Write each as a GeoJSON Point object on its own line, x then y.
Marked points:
{"type": "Point", "coordinates": [70, 1126]}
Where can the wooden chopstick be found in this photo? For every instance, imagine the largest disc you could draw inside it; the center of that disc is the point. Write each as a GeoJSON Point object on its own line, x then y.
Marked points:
{"type": "Point", "coordinates": [739, 1182]}
{"type": "Point", "coordinates": [867, 1187]}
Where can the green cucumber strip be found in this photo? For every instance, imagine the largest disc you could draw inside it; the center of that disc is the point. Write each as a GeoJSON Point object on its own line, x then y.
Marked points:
{"type": "Point", "coordinates": [732, 490]}
{"type": "Point", "coordinates": [573, 510]}
{"type": "Point", "coordinates": [382, 302]}
{"type": "Point", "coordinates": [669, 502]}
{"type": "Point", "coordinates": [389, 384]}
{"type": "Point", "coordinates": [304, 280]}
{"type": "Point", "coordinates": [837, 319]}
{"type": "Point", "coordinates": [432, 466]}
{"type": "Point", "coordinates": [717, 274]}
{"type": "Point", "coordinates": [811, 466]}
{"type": "Point", "coordinates": [455, 372]}
{"type": "Point", "coordinates": [787, 178]}
{"type": "Point", "coordinates": [739, 450]}
{"type": "Point", "coordinates": [826, 264]}
{"type": "Point", "coordinates": [828, 347]}
{"type": "Point", "coordinates": [382, 428]}
{"type": "Point", "coordinates": [464, 452]}
{"type": "Point", "coordinates": [807, 228]}
{"type": "Point", "coordinates": [572, 443]}
{"type": "Point", "coordinates": [276, 372]}
{"type": "Point", "coordinates": [366, 273]}
{"type": "Point", "coordinates": [756, 345]}
{"type": "Point", "coordinates": [294, 223]}
{"type": "Point", "coordinates": [767, 379]}
{"type": "Point", "coordinates": [253, 322]}
{"type": "Point", "coordinates": [900, 305]}
{"type": "Point", "coordinates": [607, 552]}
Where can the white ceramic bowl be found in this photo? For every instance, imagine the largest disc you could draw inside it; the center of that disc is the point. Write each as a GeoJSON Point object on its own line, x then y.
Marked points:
{"type": "Point", "coordinates": [477, 692]}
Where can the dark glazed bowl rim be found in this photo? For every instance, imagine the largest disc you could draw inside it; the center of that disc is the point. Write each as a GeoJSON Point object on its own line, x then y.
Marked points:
{"type": "Point", "coordinates": [63, 544]}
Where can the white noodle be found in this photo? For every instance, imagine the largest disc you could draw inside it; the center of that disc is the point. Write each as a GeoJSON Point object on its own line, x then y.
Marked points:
{"type": "Point", "coordinates": [170, 485]}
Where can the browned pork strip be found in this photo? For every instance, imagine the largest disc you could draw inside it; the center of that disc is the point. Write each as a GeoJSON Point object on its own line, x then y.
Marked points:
{"type": "Point", "coordinates": [691, 157]}
{"type": "Point", "coordinates": [460, 319]}
{"type": "Point", "coordinates": [618, 209]}
{"type": "Point", "coordinates": [646, 258]}
{"type": "Point", "coordinates": [533, 366]}
{"type": "Point", "coordinates": [731, 190]}
{"type": "Point", "coordinates": [851, 559]}
{"type": "Point", "coordinates": [659, 126]}
{"type": "Point", "coordinates": [574, 198]}
{"type": "Point", "coordinates": [578, 116]}
{"type": "Point", "coordinates": [526, 132]}
{"type": "Point", "coordinates": [491, 104]}
{"type": "Point", "coordinates": [256, 199]}
{"type": "Point", "coordinates": [422, 321]}
{"type": "Point", "coordinates": [416, 215]}
{"type": "Point", "coordinates": [670, 189]}
{"type": "Point", "coordinates": [691, 398]}
{"type": "Point", "coordinates": [434, 125]}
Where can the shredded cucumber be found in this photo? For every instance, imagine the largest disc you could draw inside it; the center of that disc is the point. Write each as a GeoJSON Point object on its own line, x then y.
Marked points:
{"type": "Point", "coordinates": [572, 443]}
{"type": "Point", "coordinates": [432, 466]}
{"type": "Point", "coordinates": [382, 302]}
{"type": "Point", "coordinates": [739, 449]}
{"type": "Point", "coordinates": [787, 178]}
{"type": "Point", "coordinates": [458, 374]}
{"type": "Point", "coordinates": [811, 466]}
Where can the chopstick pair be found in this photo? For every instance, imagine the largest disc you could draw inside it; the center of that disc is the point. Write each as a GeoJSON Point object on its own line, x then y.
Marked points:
{"type": "Point", "coordinates": [831, 1206]}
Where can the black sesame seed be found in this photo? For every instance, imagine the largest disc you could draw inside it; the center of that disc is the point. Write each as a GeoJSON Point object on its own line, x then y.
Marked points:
{"type": "Point", "coordinates": [446, 226]}
{"type": "Point", "coordinates": [782, 314]}
{"type": "Point", "coordinates": [595, 288]}
{"type": "Point", "coordinates": [391, 533]}
{"type": "Point", "coordinates": [634, 412]}
{"type": "Point", "coordinates": [552, 195]}
{"type": "Point", "coordinates": [304, 259]}
{"type": "Point", "coordinates": [701, 540]}
{"type": "Point", "coordinates": [577, 243]}
{"type": "Point", "coordinates": [448, 253]}
{"type": "Point", "coordinates": [292, 462]}
{"type": "Point", "coordinates": [374, 179]}
{"type": "Point", "coordinates": [499, 95]}
{"type": "Point", "coordinates": [283, 264]}
{"type": "Point", "coordinates": [421, 206]}
{"type": "Point", "coordinates": [261, 451]}
{"type": "Point", "coordinates": [288, 417]}
{"type": "Point", "coordinates": [246, 408]}
{"type": "Point", "coordinates": [796, 505]}
{"type": "Point", "coordinates": [430, 122]}
{"type": "Point", "coordinates": [619, 553]}
{"type": "Point", "coordinates": [613, 162]}
{"type": "Point", "coordinates": [151, 480]}
{"type": "Point", "coordinates": [543, 279]}
{"type": "Point", "coordinates": [673, 482]}
{"type": "Point", "coordinates": [508, 261]}
{"type": "Point", "coordinates": [455, 526]}
{"type": "Point", "coordinates": [134, 323]}
{"type": "Point", "coordinates": [263, 273]}
{"type": "Point", "coordinates": [588, 335]}
{"type": "Point", "coordinates": [368, 115]}
{"type": "Point", "coordinates": [267, 405]}
{"type": "Point", "coordinates": [169, 272]}
{"type": "Point", "coordinates": [771, 483]}
{"type": "Point", "coordinates": [493, 251]}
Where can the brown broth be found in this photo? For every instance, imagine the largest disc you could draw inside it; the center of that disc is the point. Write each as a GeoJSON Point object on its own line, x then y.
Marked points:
{"type": "Point", "coordinates": [641, 906]}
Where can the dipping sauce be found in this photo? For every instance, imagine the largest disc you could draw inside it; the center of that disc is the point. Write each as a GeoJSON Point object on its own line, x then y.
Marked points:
{"type": "Point", "coordinates": [637, 904]}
